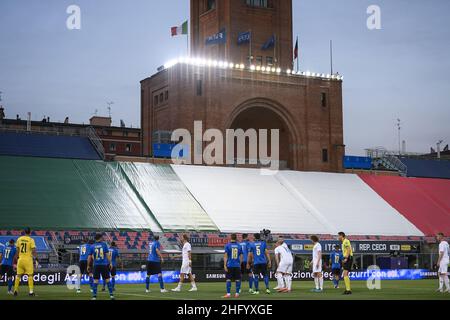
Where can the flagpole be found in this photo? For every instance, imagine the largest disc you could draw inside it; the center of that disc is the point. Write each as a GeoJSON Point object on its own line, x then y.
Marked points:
{"type": "Point", "coordinates": [275, 49]}
{"type": "Point", "coordinates": [331, 56]}
{"type": "Point", "coordinates": [250, 59]}
{"type": "Point", "coordinates": [298, 56]}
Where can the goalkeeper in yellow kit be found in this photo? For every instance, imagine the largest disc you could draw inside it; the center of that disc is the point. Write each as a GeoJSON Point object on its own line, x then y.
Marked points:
{"type": "Point", "coordinates": [26, 252]}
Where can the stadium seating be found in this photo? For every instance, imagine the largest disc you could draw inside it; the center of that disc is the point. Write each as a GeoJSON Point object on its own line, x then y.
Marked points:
{"type": "Point", "coordinates": [424, 202]}
{"type": "Point", "coordinates": [49, 146]}
{"type": "Point", "coordinates": [212, 202]}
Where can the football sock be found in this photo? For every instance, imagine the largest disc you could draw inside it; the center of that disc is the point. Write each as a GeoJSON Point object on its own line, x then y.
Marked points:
{"type": "Point", "coordinates": [193, 284]}
{"type": "Point", "coordinates": [238, 287]}
{"type": "Point", "coordinates": [347, 283]}
{"type": "Point", "coordinates": [446, 282]}
{"type": "Point", "coordinates": [228, 287]}
{"type": "Point", "coordinates": [113, 282]}
{"type": "Point", "coordinates": [110, 288]}
{"type": "Point", "coordinates": [17, 283]}
{"type": "Point", "coordinates": [266, 281]}
{"type": "Point", "coordinates": [256, 283]}
{"type": "Point", "coordinates": [30, 283]}
{"type": "Point", "coordinates": [147, 283]}
{"type": "Point", "coordinates": [280, 280]}
{"type": "Point", "coordinates": [250, 282]}
{"type": "Point", "coordinates": [161, 282]}
{"type": "Point", "coordinates": [94, 289]}
{"type": "Point", "coordinates": [321, 283]}
{"type": "Point", "coordinates": [316, 282]}
{"type": "Point", "coordinates": [441, 282]}
{"type": "Point", "coordinates": [91, 282]}
{"type": "Point", "coordinates": [288, 280]}
{"type": "Point", "coordinates": [10, 284]}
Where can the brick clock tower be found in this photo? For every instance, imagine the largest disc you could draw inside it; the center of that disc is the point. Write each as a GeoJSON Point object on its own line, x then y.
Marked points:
{"type": "Point", "coordinates": [258, 22]}
{"type": "Point", "coordinates": [239, 76]}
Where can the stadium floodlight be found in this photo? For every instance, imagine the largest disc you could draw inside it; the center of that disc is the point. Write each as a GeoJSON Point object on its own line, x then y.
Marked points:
{"type": "Point", "coordinates": [242, 66]}
{"type": "Point", "coordinates": [278, 70]}
{"type": "Point", "coordinates": [252, 68]}
{"type": "Point", "coordinates": [288, 71]}
{"type": "Point", "coordinates": [231, 65]}
{"type": "Point", "coordinates": [170, 64]}
{"type": "Point", "coordinates": [274, 69]}
{"type": "Point", "coordinates": [258, 68]}
{"type": "Point", "coordinates": [263, 69]}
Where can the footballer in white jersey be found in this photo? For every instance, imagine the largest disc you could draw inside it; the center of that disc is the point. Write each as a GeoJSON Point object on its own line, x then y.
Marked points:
{"type": "Point", "coordinates": [443, 263]}
{"type": "Point", "coordinates": [186, 265]}
{"type": "Point", "coordinates": [285, 261]}
{"type": "Point", "coordinates": [316, 264]}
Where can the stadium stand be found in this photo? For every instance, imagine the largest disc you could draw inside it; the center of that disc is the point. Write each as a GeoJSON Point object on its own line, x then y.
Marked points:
{"type": "Point", "coordinates": [345, 202]}
{"type": "Point", "coordinates": [65, 198]}
{"type": "Point", "coordinates": [167, 197]}
{"type": "Point", "coordinates": [427, 168]}
{"type": "Point", "coordinates": [292, 202]}
{"type": "Point", "coordinates": [57, 194]}
{"type": "Point", "coordinates": [424, 202]}
{"type": "Point", "coordinates": [48, 146]}
{"type": "Point", "coordinates": [243, 200]}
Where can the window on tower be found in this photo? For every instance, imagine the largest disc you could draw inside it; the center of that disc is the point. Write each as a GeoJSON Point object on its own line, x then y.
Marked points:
{"type": "Point", "coordinates": [210, 4]}
{"type": "Point", "coordinates": [258, 3]}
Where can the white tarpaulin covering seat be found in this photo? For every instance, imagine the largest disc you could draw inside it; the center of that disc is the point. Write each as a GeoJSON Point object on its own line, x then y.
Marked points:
{"type": "Point", "coordinates": [167, 197]}
{"type": "Point", "coordinates": [243, 200]}
{"type": "Point", "coordinates": [347, 204]}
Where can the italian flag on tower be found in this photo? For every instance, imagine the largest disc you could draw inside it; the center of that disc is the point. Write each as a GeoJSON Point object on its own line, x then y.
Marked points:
{"type": "Point", "coordinates": [181, 30]}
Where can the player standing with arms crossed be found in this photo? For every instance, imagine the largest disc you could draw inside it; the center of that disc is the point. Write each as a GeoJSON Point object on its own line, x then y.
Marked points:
{"type": "Point", "coordinates": [316, 264]}
{"type": "Point", "coordinates": [186, 265]}
{"type": "Point", "coordinates": [442, 263]}
{"type": "Point", "coordinates": [347, 263]}
{"type": "Point", "coordinates": [285, 261]}
{"type": "Point", "coordinates": [232, 265]}
{"type": "Point", "coordinates": [7, 256]}
{"type": "Point", "coordinates": [26, 252]}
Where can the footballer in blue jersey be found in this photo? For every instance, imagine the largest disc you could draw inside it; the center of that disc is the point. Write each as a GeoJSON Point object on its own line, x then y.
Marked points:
{"type": "Point", "coordinates": [336, 258]}
{"type": "Point", "coordinates": [114, 254]}
{"type": "Point", "coordinates": [232, 265]}
{"type": "Point", "coordinates": [245, 246]}
{"type": "Point", "coordinates": [7, 257]}
{"type": "Point", "coordinates": [260, 258]}
{"type": "Point", "coordinates": [84, 250]}
{"type": "Point", "coordinates": [154, 261]}
{"type": "Point", "coordinates": [100, 259]}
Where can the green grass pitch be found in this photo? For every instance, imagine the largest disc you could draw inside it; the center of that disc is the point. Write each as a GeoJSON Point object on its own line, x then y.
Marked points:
{"type": "Point", "coordinates": [390, 290]}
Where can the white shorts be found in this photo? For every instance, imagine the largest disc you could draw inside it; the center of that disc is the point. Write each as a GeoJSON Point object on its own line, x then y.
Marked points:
{"type": "Point", "coordinates": [315, 269]}
{"type": "Point", "coordinates": [443, 267]}
{"type": "Point", "coordinates": [284, 267]}
{"type": "Point", "coordinates": [185, 268]}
